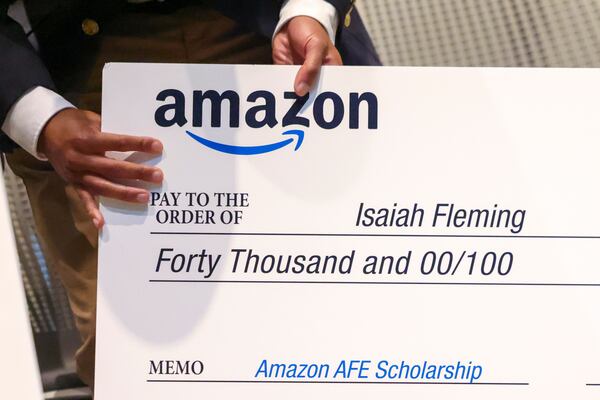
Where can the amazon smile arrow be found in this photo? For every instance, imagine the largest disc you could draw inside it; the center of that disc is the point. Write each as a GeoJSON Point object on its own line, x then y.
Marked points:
{"type": "Point", "coordinates": [251, 150]}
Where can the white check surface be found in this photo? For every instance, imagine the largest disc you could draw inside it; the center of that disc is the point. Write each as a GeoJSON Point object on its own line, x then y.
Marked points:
{"type": "Point", "coordinates": [521, 139]}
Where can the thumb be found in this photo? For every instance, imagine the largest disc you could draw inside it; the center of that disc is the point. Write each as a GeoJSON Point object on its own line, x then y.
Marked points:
{"type": "Point", "coordinates": [307, 75]}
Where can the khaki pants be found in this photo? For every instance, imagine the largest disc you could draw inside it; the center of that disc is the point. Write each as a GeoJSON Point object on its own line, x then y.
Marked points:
{"type": "Point", "coordinates": [192, 34]}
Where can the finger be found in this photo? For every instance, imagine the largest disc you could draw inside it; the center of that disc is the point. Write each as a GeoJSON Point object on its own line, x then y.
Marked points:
{"type": "Point", "coordinates": [333, 57]}
{"type": "Point", "coordinates": [282, 57]}
{"type": "Point", "coordinates": [307, 75]}
{"type": "Point", "coordinates": [281, 40]}
{"type": "Point", "coordinates": [281, 50]}
{"type": "Point", "coordinates": [91, 207]}
{"type": "Point", "coordinates": [116, 142]}
{"type": "Point", "coordinates": [103, 187]}
{"type": "Point", "coordinates": [116, 169]}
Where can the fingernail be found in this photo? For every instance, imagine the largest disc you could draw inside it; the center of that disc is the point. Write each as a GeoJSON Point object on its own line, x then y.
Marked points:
{"type": "Point", "coordinates": [157, 176]}
{"type": "Point", "coordinates": [156, 147]}
{"type": "Point", "coordinates": [142, 197]}
{"type": "Point", "coordinates": [302, 89]}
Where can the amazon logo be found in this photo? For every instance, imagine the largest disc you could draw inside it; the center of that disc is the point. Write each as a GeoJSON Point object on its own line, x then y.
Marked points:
{"type": "Point", "coordinates": [263, 109]}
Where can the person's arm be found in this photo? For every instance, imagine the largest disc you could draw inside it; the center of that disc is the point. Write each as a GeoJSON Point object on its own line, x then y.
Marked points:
{"type": "Point", "coordinates": [305, 34]}
{"type": "Point", "coordinates": [47, 125]}
{"type": "Point", "coordinates": [296, 21]}
{"type": "Point", "coordinates": [21, 69]}
{"type": "Point", "coordinates": [29, 114]}
{"type": "Point", "coordinates": [321, 10]}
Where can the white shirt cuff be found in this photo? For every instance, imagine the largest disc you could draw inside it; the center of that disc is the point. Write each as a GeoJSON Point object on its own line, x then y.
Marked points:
{"type": "Point", "coordinates": [320, 10]}
{"type": "Point", "coordinates": [28, 116]}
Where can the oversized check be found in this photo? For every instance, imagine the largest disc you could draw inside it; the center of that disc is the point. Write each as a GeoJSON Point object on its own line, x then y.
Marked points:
{"type": "Point", "coordinates": [418, 233]}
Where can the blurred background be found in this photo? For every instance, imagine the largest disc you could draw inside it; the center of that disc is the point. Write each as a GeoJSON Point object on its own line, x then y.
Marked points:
{"type": "Point", "coordinates": [494, 33]}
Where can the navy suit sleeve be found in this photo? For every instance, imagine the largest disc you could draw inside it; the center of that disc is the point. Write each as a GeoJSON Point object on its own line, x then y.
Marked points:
{"type": "Point", "coordinates": [342, 7]}
{"type": "Point", "coordinates": [20, 66]}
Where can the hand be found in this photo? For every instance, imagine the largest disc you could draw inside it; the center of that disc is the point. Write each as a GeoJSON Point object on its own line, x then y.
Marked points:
{"type": "Point", "coordinates": [76, 148]}
{"type": "Point", "coordinates": [303, 40]}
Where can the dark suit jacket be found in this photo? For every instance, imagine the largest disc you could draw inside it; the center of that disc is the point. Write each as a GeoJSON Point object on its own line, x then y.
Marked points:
{"type": "Point", "coordinates": [57, 25]}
